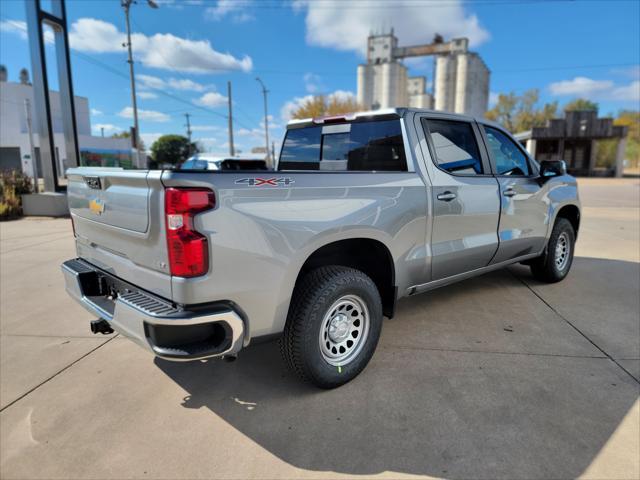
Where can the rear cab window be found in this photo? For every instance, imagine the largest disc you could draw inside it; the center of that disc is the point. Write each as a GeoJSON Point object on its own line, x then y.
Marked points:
{"type": "Point", "coordinates": [455, 145]}
{"type": "Point", "coordinates": [363, 146]}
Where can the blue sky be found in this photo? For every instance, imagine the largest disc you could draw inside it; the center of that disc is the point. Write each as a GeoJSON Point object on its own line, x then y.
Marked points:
{"type": "Point", "coordinates": [187, 50]}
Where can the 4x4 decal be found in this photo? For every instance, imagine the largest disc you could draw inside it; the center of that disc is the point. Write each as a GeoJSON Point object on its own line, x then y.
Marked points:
{"type": "Point", "coordinates": [261, 182]}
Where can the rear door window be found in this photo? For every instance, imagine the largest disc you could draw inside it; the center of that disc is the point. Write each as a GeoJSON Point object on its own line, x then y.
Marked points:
{"type": "Point", "coordinates": [455, 145]}
{"type": "Point", "coordinates": [358, 146]}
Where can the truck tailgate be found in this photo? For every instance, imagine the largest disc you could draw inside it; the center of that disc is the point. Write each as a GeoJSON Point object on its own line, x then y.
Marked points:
{"type": "Point", "coordinates": [119, 224]}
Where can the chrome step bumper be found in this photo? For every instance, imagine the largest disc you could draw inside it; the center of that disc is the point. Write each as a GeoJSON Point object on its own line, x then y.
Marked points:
{"type": "Point", "coordinates": [169, 331]}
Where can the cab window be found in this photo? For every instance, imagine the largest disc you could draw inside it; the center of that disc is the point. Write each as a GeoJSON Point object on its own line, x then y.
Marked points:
{"type": "Point", "coordinates": [508, 158]}
{"type": "Point", "coordinates": [456, 149]}
{"type": "Point", "coordinates": [359, 146]}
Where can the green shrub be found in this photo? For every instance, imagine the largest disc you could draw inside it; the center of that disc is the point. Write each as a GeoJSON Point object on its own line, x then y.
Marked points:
{"type": "Point", "coordinates": [12, 184]}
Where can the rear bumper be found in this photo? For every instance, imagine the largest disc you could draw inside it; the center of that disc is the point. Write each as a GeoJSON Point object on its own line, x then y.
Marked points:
{"type": "Point", "coordinates": [169, 331]}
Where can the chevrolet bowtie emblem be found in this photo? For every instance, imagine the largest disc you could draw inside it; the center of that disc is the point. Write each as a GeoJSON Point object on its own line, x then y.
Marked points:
{"type": "Point", "coordinates": [96, 206]}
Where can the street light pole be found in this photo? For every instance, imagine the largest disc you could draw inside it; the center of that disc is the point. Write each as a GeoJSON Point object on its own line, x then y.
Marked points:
{"type": "Point", "coordinates": [266, 120]}
{"type": "Point", "coordinates": [126, 5]}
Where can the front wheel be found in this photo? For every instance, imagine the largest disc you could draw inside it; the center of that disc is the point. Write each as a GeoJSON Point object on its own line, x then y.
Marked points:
{"type": "Point", "coordinates": [556, 262]}
{"type": "Point", "coordinates": [333, 326]}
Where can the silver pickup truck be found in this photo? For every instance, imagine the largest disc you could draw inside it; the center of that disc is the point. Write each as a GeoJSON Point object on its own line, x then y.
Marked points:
{"type": "Point", "coordinates": [360, 211]}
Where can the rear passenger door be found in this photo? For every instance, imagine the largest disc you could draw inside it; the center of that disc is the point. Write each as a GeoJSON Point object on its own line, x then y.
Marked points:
{"type": "Point", "coordinates": [523, 219]}
{"type": "Point", "coordinates": [464, 194]}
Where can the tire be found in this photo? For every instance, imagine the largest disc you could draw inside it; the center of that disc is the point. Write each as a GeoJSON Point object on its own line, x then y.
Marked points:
{"type": "Point", "coordinates": [332, 303]}
{"type": "Point", "coordinates": [555, 263]}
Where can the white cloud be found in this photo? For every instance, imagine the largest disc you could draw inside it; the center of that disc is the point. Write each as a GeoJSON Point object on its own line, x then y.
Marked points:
{"type": "Point", "coordinates": [346, 26]}
{"type": "Point", "coordinates": [149, 81]}
{"type": "Point", "coordinates": [178, 4]}
{"type": "Point", "coordinates": [186, 84]}
{"type": "Point", "coordinates": [147, 95]}
{"type": "Point", "coordinates": [211, 99]}
{"type": "Point", "coordinates": [149, 138]}
{"type": "Point", "coordinates": [605, 90]}
{"type": "Point", "coordinates": [149, 115]}
{"type": "Point", "coordinates": [205, 128]}
{"type": "Point", "coordinates": [313, 83]}
{"type": "Point", "coordinates": [95, 112]}
{"type": "Point", "coordinates": [580, 86]}
{"type": "Point", "coordinates": [19, 27]}
{"type": "Point", "coordinates": [244, 132]}
{"type": "Point", "coordinates": [157, 83]}
{"type": "Point", "coordinates": [225, 8]}
{"type": "Point", "coordinates": [627, 93]}
{"type": "Point", "coordinates": [161, 50]}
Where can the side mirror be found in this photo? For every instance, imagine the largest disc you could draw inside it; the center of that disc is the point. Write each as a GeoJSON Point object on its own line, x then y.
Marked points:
{"type": "Point", "coordinates": [552, 168]}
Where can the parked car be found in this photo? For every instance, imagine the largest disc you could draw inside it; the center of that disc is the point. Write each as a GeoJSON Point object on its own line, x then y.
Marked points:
{"type": "Point", "coordinates": [202, 161]}
{"type": "Point", "coordinates": [361, 211]}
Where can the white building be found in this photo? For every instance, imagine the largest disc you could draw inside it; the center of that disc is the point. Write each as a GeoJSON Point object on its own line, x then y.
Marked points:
{"type": "Point", "coordinates": [461, 84]}
{"type": "Point", "coordinates": [461, 77]}
{"type": "Point", "coordinates": [383, 82]}
{"type": "Point", "coordinates": [15, 147]}
{"type": "Point", "coordinates": [417, 91]}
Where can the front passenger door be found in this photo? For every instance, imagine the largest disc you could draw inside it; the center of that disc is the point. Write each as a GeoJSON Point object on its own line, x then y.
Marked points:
{"type": "Point", "coordinates": [524, 205]}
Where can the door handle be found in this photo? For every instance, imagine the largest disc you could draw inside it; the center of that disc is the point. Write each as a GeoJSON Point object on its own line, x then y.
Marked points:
{"type": "Point", "coordinates": [509, 192]}
{"type": "Point", "coordinates": [446, 196]}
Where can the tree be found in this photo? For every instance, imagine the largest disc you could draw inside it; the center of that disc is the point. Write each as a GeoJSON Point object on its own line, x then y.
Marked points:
{"type": "Point", "coordinates": [607, 149]}
{"type": "Point", "coordinates": [631, 119]}
{"type": "Point", "coordinates": [581, 104]}
{"type": "Point", "coordinates": [520, 113]}
{"type": "Point", "coordinates": [123, 134]}
{"type": "Point", "coordinates": [172, 149]}
{"type": "Point", "coordinates": [320, 106]}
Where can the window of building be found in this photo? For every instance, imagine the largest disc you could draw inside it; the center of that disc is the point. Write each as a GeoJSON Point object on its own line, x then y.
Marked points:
{"type": "Point", "coordinates": [359, 146]}
{"type": "Point", "coordinates": [455, 145]}
{"type": "Point", "coordinates": [509, 159]}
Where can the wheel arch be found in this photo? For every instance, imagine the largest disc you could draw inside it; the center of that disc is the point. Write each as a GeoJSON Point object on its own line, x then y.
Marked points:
{"type": "Point", "coordinates": [572, 213]}
{"type": "Point", "coordinates": [368, 255]}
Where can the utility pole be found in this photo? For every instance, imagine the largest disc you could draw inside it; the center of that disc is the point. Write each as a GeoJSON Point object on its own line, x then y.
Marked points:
{"type": "Point", "coordinates": [34, 163]}
{"type": "Point", "coordinates": [126, 5]}
{"type": "Point", "coordinates": [266, 120]}
{"type": "Point", "coordinates": [188, 125]}
{"type": "Point", "coordinates": [102, 131]}
{"type": "Point", "coordinates": [231, 150]}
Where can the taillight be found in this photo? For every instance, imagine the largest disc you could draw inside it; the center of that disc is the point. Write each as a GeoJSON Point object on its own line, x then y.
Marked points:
{"type": "Point", "coordinates": [188, 249]}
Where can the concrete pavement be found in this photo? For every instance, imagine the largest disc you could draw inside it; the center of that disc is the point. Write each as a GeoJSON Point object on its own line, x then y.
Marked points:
{"type": "Point", "coordinates": [496, 377]}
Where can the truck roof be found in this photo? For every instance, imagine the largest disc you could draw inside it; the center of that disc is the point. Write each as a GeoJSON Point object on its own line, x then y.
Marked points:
{"type": "Point", "coordinates": [384, 112]}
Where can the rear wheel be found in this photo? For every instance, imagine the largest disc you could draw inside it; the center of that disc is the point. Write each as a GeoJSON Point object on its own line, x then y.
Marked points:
{"type": "Point", "coordinates": [333, 326]}
{"type": "Point", "coordinates": [556, 262]}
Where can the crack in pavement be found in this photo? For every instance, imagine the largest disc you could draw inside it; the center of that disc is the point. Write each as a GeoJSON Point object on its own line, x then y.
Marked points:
{"type": "Point", "coordinates": [56, 374]}
{"type": "Point", "coordinates": [491, 352]}
{"type": "Point", "coordinates": [584, 335]}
